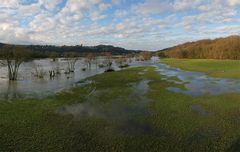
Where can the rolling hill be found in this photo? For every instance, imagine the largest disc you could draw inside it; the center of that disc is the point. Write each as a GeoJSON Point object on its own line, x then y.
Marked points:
{"type": "Point", "coordinates": [42, 51]}
{"type": "Point", "coordinates": [221, 48]}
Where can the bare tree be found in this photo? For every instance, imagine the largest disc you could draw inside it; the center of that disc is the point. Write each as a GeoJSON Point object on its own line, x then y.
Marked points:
{"type": "Point", "coordinates": [145, 55]}
{"type": "Point", "coordinates": [108, 61]}
{"type": "Point", "coordinates": [39, 72]}
{"type": "Point", "coordinates": [89, 60]}
{"type": "Point", "coordinates": [129, 57]}
{"type": "Point", "coordinates": [13, 57]}
{"type": "Point", "coordinates": [57, 68]}
{"type": "Point", "coordinates": [122, 62]}
{"type": "Point", "coordinates": [71, 58]}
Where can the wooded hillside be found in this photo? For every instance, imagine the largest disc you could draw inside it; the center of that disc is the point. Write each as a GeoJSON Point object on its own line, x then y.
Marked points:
{"type": "Point", "coordinates": [43, 51]}
{"type": "Point", "coordinates": [221, 48]}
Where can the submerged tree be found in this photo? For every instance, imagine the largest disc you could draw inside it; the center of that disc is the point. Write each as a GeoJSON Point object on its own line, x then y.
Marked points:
{"type": "Point", "coordinates": [108, 61]}
{"type": "Point", "coordinates": [122, 62]}
{"type": "Point", "coordinates": [13, 57]}
{"type": "Point", "coordinates": [71, 58]}
{"type": "Point", "coordinates": [39, 72]}
{"type": "Point", "coordinates": [89, 59]}
{"type": "Point", "coordinates": [145, 55]}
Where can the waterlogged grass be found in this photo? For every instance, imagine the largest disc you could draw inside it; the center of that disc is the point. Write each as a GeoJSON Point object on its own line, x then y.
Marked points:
{"type": "Point", "coordinates": [215, 68]}
{"type": "Point", "coordinates": [112, 113]}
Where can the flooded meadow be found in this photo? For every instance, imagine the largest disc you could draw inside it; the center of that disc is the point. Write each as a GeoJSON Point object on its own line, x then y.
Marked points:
{"type": "Point", "coordinates": [30, 85]}
{"type": "Point", "coordinates": [146, 106]}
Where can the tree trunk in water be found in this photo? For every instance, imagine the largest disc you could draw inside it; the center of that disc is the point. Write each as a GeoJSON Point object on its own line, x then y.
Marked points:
{"type": "Point", "coordinates": [13, 72]}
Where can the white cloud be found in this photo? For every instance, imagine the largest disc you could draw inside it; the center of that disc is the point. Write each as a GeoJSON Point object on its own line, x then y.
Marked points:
{"type": "Point", "coordinates": [120, 13]}
{"type": "Point", "coordinates": [104, 6]}
{"type": "Point", "coordinates": [117, 2]}
{"type": "Point", "coordinates": [50, 5]}
{"type": "Point", "coordinates": [150, 24]}
{"type": "Point", "coordinates": [152, 7]}
{"type": "Point", "coordinates": [182, 5]}
{"type": "Point", "coordinates": [8, 3]}
{"type": "Point", "coordinates": [234, 2]}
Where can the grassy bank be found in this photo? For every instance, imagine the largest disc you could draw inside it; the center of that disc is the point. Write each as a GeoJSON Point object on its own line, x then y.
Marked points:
{"type": "Point", "coordinates": [129, 110]}
{"type": "Point", "coordinates": [215, 68]}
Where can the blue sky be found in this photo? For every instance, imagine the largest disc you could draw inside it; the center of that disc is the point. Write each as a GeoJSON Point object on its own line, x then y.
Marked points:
{"type": "Point", "coordinates": [133, 24]}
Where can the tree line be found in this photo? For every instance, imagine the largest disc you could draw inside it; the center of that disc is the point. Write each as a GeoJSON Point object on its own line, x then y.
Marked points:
{"type": "Point", "coordinates": [44, 51]}
{"type": "Point", "coordinates": [221, 48]}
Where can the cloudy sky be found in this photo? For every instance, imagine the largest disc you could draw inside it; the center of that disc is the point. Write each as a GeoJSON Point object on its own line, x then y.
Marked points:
{"type": "Point", "coordinates": [133, 24]}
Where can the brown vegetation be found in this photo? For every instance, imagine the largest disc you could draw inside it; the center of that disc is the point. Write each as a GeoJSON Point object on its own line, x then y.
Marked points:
{"type": "Point", "coordinates": [122, 62]}
{"type": "Point", "coordinates": [221, 48]}
{"type": "Point", "coordinates": [146, 55]}
{"type": "Point", "coordinates": [90, 58]}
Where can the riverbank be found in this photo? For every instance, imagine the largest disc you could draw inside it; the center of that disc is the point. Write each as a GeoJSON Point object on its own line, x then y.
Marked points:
{"type": "Point", "coordinates": [129, 110]}
{"type": "Point", "coordinates": [215, 68]}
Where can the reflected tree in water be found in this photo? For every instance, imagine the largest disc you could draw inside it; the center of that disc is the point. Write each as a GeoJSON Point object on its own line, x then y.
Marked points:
{"type": "Point", "coordinates": [11, 92]}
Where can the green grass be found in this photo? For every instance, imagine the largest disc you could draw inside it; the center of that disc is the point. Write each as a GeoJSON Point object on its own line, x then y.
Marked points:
{"type": "Point", "coordinates": [119, 120]}
{"type": "Point", "coordinates": [215, 68]}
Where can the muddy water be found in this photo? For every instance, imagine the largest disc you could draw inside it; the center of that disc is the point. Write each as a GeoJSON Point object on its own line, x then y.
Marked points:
{"type": "Point", "coordinates": [196, 83]}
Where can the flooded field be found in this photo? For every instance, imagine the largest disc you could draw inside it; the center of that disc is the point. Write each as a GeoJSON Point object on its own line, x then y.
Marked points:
{"type": "Point", "coordinates": [196, 83]}
{"type": "Point", "coordinates": [150, 107]}
{"type": "Point", "coordinates": [30, 86]}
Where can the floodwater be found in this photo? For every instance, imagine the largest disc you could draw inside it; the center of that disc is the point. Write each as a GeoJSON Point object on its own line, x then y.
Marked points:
{"type": "Point", "coordinates": [197, 83]}
{"type": "Point", "coordinates": [127, 116]}
{"type": "Point", "coordinates": [30, 86]}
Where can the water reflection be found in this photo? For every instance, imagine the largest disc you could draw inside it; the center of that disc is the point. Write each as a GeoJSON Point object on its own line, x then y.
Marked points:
{"type": "Point", "coordinates": [11, 91]}
{"type": "Point", "coordinates": [198, 84]}
{"type": "Point", "coordinates": [30, 86]}
{"type": "Point", "coordinates": [128, 112]}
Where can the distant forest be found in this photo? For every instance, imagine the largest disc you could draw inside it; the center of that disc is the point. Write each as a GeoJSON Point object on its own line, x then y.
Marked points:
{"type": "Point", "coordinates": [44, 51]}
{"type": "Point", "coordinates": [221, 48]}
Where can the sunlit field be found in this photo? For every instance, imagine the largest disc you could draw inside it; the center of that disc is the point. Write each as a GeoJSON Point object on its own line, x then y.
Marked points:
{"type": "Point", "coordinates": [120, 76]}
{"type": "Point", "coordinates": [215, 68]}
{"type": "Point", "coordinates": [129, 110]}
